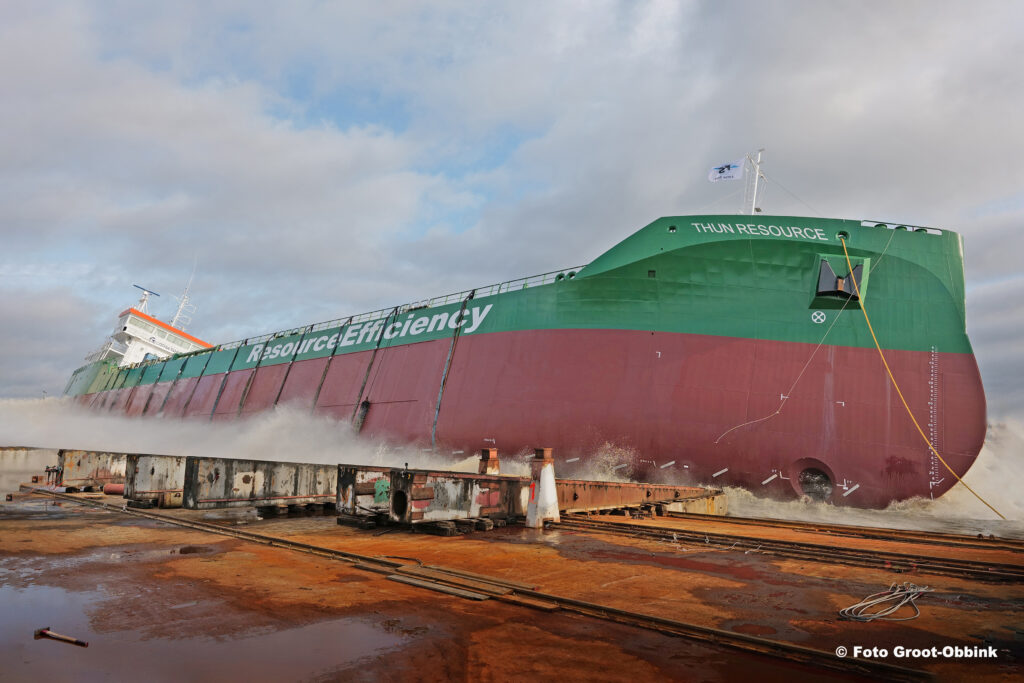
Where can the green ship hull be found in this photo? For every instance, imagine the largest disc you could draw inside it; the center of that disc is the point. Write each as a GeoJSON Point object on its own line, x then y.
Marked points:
{"type": "Point", "coordinates": [713, 349]}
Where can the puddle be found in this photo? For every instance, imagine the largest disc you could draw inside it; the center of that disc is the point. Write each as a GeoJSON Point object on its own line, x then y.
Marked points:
{"type": "Point", "coordinates": [122, 555]}
{"type": "Point", "coordinates": [41, 508]}
{"type": "Point", "coordinates": [305, 652]}
{"type": "Point", "coordinates": [230, 516]}
{"type": "Point", "coordinates": [521, 535]}
{"type": "Point", "coordinates": [193, 550]}
{"type": "Point", "coordinates": [18, 466]}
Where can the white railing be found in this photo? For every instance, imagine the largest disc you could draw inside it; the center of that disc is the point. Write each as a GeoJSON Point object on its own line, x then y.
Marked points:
{"type": "Point", "coordinates": [900, 226]}
{"type": "Point", "coordinates": [443, 300]}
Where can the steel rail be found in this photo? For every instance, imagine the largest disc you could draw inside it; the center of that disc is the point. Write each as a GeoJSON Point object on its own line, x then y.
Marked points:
{"type": "Point", "coordinates": [910, 535]}
{"type": "Point", "coordinates": [515, 593]}
{"type": "Point", "coordinates": [831, 554]}
{"type": "Point", "coordinates": [738, 641]}
{"type": "Point", "coordinates": [218, 529]}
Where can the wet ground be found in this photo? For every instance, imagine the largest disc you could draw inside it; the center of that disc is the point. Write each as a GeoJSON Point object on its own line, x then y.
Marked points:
{"type": "Point", "coordinates": [19, 465]}
{"type": "Point", "coordinates": [163, 603]}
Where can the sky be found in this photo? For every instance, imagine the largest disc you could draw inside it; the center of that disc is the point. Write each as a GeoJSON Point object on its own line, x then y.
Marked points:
{"type": "Point", "coordinates": [319, 159]}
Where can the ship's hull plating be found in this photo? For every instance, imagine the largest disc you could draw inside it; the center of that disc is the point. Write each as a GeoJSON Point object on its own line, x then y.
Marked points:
{"type": "Point", "coordinates": [721, 410]}
{"type": "Point", "coordinates": [701, 349]}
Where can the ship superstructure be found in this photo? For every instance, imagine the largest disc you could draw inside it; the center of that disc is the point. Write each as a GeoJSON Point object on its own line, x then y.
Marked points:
{"type": "Point", "coordinates": [140, 337]}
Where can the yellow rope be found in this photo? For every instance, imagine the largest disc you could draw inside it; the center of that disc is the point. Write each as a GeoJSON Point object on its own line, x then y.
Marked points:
{"type": "Point", "coordinates": [920, 431]}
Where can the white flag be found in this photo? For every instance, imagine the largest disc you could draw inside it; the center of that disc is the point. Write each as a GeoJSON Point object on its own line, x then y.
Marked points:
{"type": "Point", "coordinates": [733, 171]}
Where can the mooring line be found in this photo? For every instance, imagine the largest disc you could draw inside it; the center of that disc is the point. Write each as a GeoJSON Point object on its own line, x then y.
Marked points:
{"type": "Point", "coordinates": [896, 385]}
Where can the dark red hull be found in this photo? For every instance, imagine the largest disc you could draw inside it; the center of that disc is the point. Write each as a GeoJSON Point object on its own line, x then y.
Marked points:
{"type": "Point", "coordinates": [659, 397]}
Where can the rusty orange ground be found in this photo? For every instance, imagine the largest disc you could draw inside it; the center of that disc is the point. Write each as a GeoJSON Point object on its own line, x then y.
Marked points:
{"type": "Point", "coordinates": [163, 603]}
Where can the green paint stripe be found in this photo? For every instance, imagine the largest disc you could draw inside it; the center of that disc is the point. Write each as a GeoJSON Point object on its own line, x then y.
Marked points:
{"type": "Point", "coordinates": [701, 275]}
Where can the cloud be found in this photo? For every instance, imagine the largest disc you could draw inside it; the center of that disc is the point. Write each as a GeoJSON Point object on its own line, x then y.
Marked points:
{"type": "Point", "coordinates": [994, 319]}
{"type": "Point", "coordinates": [321, 159]}
{"type": "Point", "coordinates": [41, 327]}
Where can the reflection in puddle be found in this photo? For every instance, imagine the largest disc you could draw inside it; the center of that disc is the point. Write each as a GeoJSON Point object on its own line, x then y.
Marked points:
{"type": "Point", "coordinates": [295, 653]}
{"type": "Point", "coordinates": [18, 465]}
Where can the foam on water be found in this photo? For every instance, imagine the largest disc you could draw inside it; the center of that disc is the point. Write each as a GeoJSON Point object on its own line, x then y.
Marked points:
{"type": "Point", "coordinates": [294, 435]}
{"type": "Point", "coordinates": [996, 475]}
{"type": "Point", "coordinates": [285, 434]}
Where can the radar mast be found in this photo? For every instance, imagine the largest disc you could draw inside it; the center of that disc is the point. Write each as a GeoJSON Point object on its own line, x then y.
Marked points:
{"type": "Point", "coordinates": [185, 306]}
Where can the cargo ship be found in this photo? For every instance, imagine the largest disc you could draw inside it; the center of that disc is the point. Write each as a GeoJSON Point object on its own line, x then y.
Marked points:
{"type": "Point", "coordinates": [717, 349]}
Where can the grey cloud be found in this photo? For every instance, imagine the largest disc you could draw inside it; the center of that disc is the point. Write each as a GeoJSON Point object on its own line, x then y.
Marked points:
{"type": "Point", "coordinates": [994, 319]}
{"type": "Point", "coordinates": [140, 140]}
{"type": "Point", "coordinates": [46, 335]}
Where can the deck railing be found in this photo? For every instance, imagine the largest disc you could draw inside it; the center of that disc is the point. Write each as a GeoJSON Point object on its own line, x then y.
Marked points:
{"type": "Point", "coordinates": [443, 300]}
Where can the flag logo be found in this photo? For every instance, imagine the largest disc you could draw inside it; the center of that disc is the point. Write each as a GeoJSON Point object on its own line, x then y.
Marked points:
{"type": "Point", "coordinates": [730, 171]}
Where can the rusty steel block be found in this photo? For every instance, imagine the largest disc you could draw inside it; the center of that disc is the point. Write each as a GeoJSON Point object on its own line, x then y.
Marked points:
{"type": "Point", "coordinates": [420, 496]}
{"type": "Point", "coordinates": [422, 493]}
{"type": "Point", "coordinates": [581, 495]}
{"type": "Point", "coordinates": [226, 482]}
{"type": "Point", "coordinates": [170, 499]}
{"type": "Point", "coordinates": [155, 478]}
{"type": "Point", "coordinates": [365, 488]}
{"type": "Point", "coordinates": [489, 461]}
{"type": "Point", "coordinates": [425, 496]}
{"type": "Point", "coordinates": [90, 469]}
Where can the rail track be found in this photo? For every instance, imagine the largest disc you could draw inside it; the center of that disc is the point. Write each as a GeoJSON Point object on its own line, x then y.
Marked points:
{"type": "Point", "coordinates": [908, 535]}
{"type": "Point", "coordinates": [817, 552]}
{"type": "Point", "coordinates": [474, 586]}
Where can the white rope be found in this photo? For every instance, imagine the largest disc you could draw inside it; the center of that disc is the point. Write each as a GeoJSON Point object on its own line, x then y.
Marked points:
{"type": "Point", "coordinates": [899, 595]}
{"type": "Point", "coordinates": [785, 397]}
{"type": "Point", "coordinates": [783, 187]}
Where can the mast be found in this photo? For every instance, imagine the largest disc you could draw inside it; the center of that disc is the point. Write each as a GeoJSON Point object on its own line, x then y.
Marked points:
{"type": "Point", "coordinates": [750, 197]}
{"type": "Point", "coordinates": [184, 305]}
{"type": "Point", "coordinates": [142, 306]}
